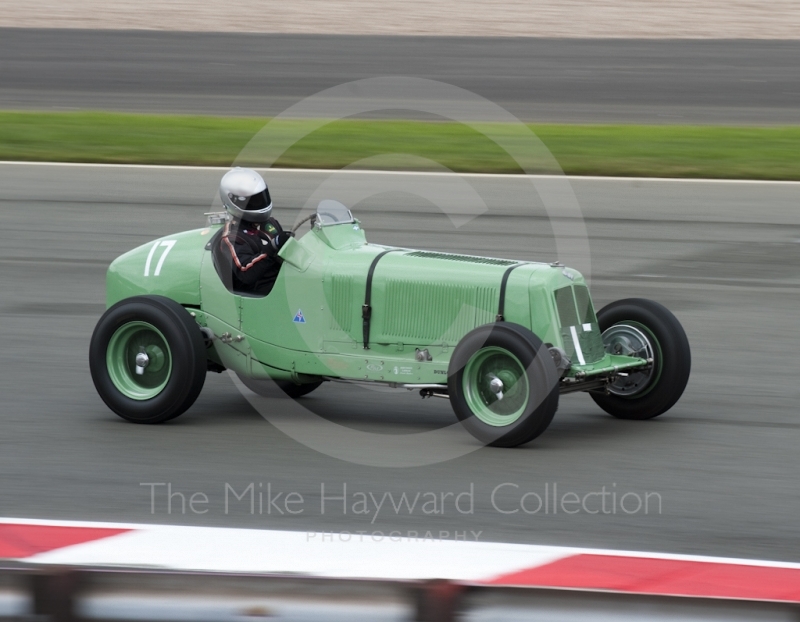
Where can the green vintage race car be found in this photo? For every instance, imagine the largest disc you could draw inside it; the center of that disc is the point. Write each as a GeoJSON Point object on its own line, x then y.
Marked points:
{"type": "Point", "coordinates": [502, 339]}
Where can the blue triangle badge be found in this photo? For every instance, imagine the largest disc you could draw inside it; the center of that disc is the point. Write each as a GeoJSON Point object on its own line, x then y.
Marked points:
{"type": "Point", "coordinates": [299, 317]}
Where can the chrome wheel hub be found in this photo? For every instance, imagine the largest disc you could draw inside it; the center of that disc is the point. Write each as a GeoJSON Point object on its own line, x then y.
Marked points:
{"type": "Point", "coordinates": [628, 340]}
{"type": "Point", "coordinates": [142, 361]}
{"type": "Point", "coordinates": [496, 386]}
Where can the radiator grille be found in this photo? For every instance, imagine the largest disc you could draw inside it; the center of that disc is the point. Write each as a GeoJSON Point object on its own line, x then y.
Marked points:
{"type": "Point", "coordinates": [565, 302]}
{"type": "Point", "coordinates": [592, 345]}
{"type": "Point", "coordinates": [575, 311]}
{"type": "Point", "coordinates": [584, 303]}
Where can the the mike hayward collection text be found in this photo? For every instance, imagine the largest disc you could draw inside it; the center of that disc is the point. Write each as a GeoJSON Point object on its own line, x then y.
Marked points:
{"type": "Point", "coordinates": [506, 498]}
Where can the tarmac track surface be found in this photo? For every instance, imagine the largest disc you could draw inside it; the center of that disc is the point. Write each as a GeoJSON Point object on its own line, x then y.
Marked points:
{"type": "Point", "coordinates": [722, 255]}
{"type": "Point", "coordinates": [563, 80]}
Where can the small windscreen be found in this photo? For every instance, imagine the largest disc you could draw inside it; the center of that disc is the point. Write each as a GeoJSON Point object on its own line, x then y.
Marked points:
{"type": "Point", "coordinates": [258, 201]}
{"type": "Point", "coordinates": [331, 212]}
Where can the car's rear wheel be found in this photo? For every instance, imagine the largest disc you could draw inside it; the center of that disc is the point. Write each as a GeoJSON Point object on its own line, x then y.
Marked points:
{"type": "Point", "coordinates": [503, 384]}
{"type": "Point", "coordinates": [147, 359]}
{"type": "Point", "coordinates": [278, 388]}
{"type": "Point", "coordinates": [647, 329]}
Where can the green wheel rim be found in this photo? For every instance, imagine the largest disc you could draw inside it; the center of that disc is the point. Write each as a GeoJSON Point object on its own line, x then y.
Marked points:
{"type": "Point", "coordinates": [492, 408]}
{"type": "Point", "coordinates": [126, 343]}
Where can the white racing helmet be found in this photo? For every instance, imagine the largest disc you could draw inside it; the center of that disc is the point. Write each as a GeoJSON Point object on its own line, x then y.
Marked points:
{"type": "Point", "coordinates": [245, 195]}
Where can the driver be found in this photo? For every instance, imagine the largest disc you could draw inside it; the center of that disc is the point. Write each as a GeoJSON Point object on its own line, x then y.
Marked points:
{"type": "Point", "coordinates": [251, 238]}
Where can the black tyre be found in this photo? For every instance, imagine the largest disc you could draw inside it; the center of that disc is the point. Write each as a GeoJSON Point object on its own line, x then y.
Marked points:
{"type": "Point", "coordinates": [271, 388]}
{"type": "Point", "coordinates": [148, 359]}
{"type": "Point", "coordinates": [648, 329]}
{"type": "Point", "coordinates": [503, 384]}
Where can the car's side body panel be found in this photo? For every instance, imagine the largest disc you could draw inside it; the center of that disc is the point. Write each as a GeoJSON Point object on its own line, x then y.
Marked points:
{"type": "Point", "coordinates": [169, 266]}
{"type": "Point", "coordinates": [311, 324]}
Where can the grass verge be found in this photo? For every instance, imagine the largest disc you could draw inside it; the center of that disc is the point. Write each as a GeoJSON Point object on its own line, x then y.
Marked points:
{"type": "Point", "coordinates": [628, 150]}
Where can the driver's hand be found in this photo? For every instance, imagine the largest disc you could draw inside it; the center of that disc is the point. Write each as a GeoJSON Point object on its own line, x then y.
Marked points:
{"type": "Point", "coordinates": [280, 239]}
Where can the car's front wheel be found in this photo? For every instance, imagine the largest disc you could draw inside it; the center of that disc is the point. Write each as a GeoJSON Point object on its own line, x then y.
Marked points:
{"type": "Point", "coordinates": [503, 384]}
{"type": "Point", "coordinates": [647, 329]}
{"type": "Point", "coordinates": [148, 359]}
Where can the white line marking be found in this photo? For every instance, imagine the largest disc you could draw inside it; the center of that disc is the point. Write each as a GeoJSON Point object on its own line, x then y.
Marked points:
{"type": "Point", "coordinates": [420, 173]}
{"type": "Point", "coordinates": [174, 537]}
{"type": "Point", "coordinates": [239, 550]}
{"type": "Point", "coordinates": [578, 350]}
{"type": "Point", "coordinates": [587, 328]}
